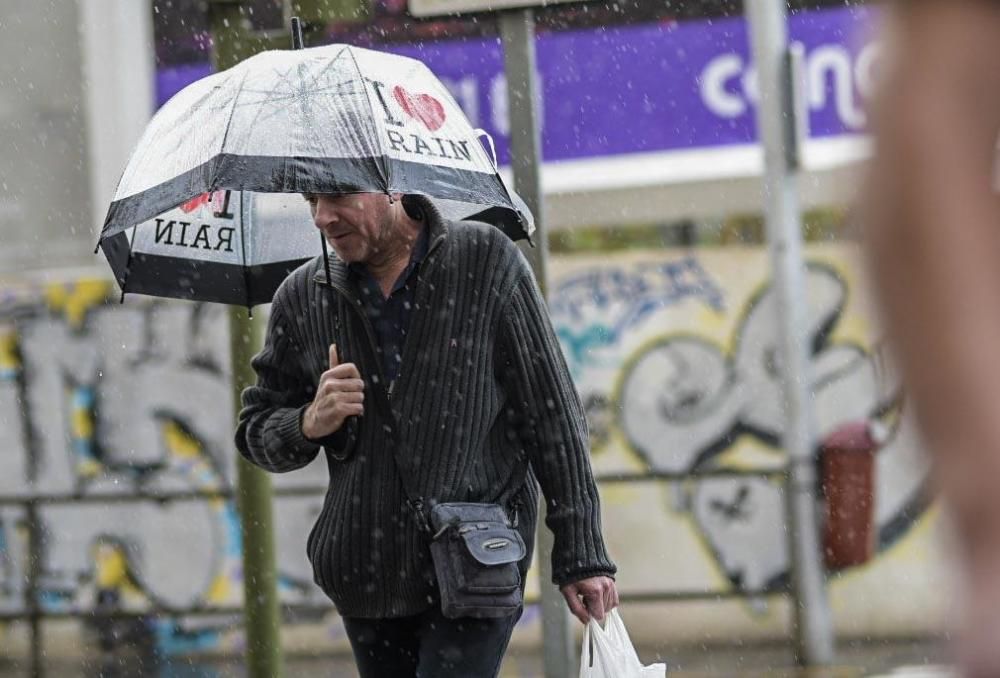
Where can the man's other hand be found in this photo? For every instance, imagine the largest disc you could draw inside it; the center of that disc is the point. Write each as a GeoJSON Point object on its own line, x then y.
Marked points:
{"type": "Point", "coordinates": [591, 597]}
{"type": "Point", "coordinates": [341, 394]}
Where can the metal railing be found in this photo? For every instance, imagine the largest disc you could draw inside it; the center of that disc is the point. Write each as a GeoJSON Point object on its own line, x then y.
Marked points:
{"type": "Point", "coordinates": [35, 614]}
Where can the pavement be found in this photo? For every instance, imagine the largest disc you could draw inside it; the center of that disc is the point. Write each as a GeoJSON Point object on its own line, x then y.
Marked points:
{"type": "Point", "coordinates": [884, 659]}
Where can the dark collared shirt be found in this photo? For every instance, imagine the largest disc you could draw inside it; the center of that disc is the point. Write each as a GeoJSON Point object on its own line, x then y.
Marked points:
{"type": "Point", "coordinates": [390, 317]}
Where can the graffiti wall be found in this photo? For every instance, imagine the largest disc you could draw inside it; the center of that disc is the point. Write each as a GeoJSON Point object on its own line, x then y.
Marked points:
{"type": "Point", "coordinates": [674, 352]}
{"type": "Point", "coordinates": [98, 398]}
{"type": "Point", "coordinates": [677, 357]}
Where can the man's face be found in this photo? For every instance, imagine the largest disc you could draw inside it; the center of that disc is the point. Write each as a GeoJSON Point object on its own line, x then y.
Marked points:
{"type": "Point", "coordinates": [358, 226]}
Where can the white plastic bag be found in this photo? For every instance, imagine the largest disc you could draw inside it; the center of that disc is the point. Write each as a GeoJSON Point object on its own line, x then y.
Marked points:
{"type": "Point", "coordinates": [608, 653]}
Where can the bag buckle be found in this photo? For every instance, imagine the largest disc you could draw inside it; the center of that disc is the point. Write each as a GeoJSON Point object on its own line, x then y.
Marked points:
{"type": "Point", "coordinates": [417, 506]}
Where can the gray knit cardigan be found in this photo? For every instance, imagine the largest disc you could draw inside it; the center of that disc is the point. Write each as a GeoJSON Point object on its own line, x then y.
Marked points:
{"type": "Point", "coordinates": [483, 406]}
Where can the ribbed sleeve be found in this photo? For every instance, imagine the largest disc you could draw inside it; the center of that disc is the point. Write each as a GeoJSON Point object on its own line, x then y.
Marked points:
{"type": "Point", "coordinates": [551, 425]}
{"type": "Point", "coordinates": [269, 433]}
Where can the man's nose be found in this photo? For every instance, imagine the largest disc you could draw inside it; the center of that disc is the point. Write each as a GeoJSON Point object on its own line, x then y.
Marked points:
{"type": "Point", "coordinates": [326, 212]}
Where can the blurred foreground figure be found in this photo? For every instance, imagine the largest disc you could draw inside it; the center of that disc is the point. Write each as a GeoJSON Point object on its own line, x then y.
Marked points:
{"type": "Point", "coordinates": [933, 224]}
{"type": "Point", "coordinates": [421, 360]}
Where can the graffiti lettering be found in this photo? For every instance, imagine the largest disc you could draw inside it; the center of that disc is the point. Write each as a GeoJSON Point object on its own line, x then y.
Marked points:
{"type": "Point", "coordinates": [685, 401]}
{"type": "Point", "coordinates": [593, 309]}
{"type": "Point", "coordinates": [120, 399]}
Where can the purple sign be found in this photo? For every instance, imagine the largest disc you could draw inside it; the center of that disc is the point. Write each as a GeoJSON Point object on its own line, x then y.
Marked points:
{"type": "Point", "coordinates": [649, 87]}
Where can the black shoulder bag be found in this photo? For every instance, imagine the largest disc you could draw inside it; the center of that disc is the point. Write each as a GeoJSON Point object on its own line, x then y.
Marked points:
{"type": "Point", "coordinates": [476, 550]}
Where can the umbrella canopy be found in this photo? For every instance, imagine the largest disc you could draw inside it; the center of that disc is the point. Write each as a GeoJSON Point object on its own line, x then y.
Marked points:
{"type": "Point", "coordinates": [332, 119]}
{"type": "Point", "coordinates": [233, 247]}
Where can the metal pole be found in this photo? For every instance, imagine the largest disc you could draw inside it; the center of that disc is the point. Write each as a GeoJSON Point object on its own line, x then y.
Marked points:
{"type": "Point", "coordinates": [34, 564]}
{"type": "Point", "coordinates": [777, 120]}
{"type": "Point", "coordinates": [261, 612]}
{"type": "Point", "coordinates": [517, 32]}
{"type": "Point", "coordinates": [260, 577]}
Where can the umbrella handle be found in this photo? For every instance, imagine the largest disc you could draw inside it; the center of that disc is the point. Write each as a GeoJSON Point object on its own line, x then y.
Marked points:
{"type": "Point", "coordinates": [493, 149]}
{"type": "Point", "coordinates": [326, 260]}
{"type": "Point", "coordinates": [297, 42]}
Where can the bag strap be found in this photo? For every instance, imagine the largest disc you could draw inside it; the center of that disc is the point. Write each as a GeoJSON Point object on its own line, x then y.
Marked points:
{"type": "Point", "coordinates": [417, 504]}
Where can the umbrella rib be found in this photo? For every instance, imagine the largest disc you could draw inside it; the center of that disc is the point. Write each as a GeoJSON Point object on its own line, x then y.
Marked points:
{"type": "Point", "coordinates": [384, 171]}
{"type": "Point", "coordinates": [128, 263]}
{"type": "Point", "coordinates": [229, 121]}
{"type": "Point", "coordinates": [244, 215]}
{"type": "Point", "coordinates": [259, 109]}
{"type": "Point", "coordinates": [328, 66]}
{"type": "Point", "coordinates": [305, 111]}
{"type": "Point", "coordinates": [270, 97]}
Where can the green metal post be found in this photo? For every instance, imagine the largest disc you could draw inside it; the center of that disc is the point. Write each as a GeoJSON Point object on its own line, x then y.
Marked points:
{"type": "Point", "coordinates": [231, 43]}
{"type": "Point", "coordinates": [262, 614]}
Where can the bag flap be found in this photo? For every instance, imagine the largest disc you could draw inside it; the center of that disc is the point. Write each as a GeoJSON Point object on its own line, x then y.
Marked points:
{"type": "Point", "coordinates": [453, 513]}
{"type": "Point", "coordinates": [494, 546]}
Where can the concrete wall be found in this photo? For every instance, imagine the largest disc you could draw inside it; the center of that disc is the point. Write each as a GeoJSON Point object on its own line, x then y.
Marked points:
{"type": "Point", "coordinates": [45, 202]}
{"type": "Point", "coordinates": [673, 352]}
{"type": "Point", "coordinates": [76, 89]}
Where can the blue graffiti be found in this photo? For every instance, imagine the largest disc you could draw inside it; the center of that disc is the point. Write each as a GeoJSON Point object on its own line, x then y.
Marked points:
{"type": "Point", "coordinates": [172, 639]}
{"type": "Point", "coordinates": [646, 288]}
{"type": "Point", "coordinates": [616, 300]}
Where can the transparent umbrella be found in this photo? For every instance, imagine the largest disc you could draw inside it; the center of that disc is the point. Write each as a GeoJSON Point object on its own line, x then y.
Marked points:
{"type": "Point", "coordinates": [189, 219]}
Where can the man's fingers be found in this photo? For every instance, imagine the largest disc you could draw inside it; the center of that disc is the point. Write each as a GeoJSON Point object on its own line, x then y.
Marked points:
{"type": "Point", "coordinates": [345, 371]}
{"type": "Point", "coordinates": [352, 409]}
{"type": "Point", "coordinates": [342, 410]}
{"type": "Point", "coordinates": [334, 385]}
{"type": "Point", "coordinates": [352, 397]}
{"type": "Point", "coordinates": [595, 605]}
{"type": "Point", "coordinates": [610, 598]}
{"type": "Point", "coordinates": [334, 357]}
{"type": "Point", "coordinates": [340, 373]}
{"type": "Point", "coordinates": [575, 604]}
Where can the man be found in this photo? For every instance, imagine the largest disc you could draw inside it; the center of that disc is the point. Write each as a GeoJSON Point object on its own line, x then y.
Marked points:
{"type": "Point", "coordinates": [422, 353]}
{"type": "Point", "coordinates": [934, 241]}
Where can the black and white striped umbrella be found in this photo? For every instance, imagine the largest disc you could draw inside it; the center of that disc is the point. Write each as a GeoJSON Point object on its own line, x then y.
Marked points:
{"type": "Point", "coordinates": [333, 119]}
{"type": "Point", "coordinates": [231, 247]}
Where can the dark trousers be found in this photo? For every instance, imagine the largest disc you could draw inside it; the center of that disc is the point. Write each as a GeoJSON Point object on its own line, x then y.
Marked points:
{"type": "Point", "coordinates": [429, 645]}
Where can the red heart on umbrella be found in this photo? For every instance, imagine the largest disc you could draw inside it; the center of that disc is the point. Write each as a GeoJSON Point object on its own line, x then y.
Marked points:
{"type": "Point", "coordinates": [196, 202]}
{"type": "Point", "coordinates": [422, 107]}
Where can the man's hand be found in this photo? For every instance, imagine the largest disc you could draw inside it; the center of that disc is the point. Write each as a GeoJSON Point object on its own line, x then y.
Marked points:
{"type": "Point", "coordinates": [591, 597]}
{"type": "Point", "coordinates": [341, 394]}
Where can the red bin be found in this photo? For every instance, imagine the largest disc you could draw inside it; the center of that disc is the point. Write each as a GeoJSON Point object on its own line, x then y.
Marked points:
{"type": "Point", "coordinates": [847, 472]}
